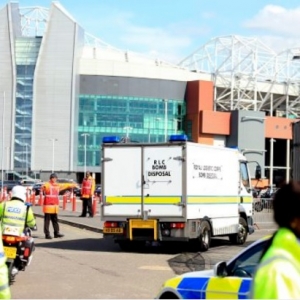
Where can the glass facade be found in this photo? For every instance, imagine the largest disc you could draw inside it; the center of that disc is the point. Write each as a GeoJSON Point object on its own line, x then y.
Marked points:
{"type": "Point", "coordinates": [26, 55]}
{"type": "Point", "coordinates": [135, 118]}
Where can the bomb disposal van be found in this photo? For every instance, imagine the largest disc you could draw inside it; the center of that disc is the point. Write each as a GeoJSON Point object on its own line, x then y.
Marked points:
{"type": "Point", "coordinates": [174, 191]}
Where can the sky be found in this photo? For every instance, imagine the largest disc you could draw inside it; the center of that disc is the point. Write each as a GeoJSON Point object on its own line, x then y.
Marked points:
{"type": "Point", "coordinates": [171, 30]}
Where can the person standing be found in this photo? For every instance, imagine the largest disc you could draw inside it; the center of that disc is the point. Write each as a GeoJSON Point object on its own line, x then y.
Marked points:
{"type": "Point", "coordinates": [278, 272]}
{"type": "Point", "coordinates": [51, 206]}
{"type": "Point", "coordinates": [87, 192]}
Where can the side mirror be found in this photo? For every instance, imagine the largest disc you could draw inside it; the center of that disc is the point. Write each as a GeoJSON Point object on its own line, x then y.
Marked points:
{"type": "Point", "coordinates": [258, 172]}
{"type": "Point", "coordinates": [220, 269]}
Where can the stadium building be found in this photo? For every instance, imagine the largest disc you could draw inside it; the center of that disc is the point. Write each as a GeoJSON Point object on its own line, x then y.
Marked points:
{"type": "Point", "coordinates": [62, 90]}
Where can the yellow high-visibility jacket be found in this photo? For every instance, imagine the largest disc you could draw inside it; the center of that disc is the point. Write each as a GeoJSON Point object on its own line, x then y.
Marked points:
{"type": "Point", "coordinates": [4, 281]}
{"type": "Point", "coordinates": [13, 214]}
{"type": "Point", "coordinates": [278, 273]}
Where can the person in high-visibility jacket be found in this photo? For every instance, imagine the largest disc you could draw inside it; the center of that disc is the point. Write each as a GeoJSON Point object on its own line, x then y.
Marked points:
{"type": "Point", "coordinates": [4, 278]}
{"type": "Point", "coordinates": [51, 206]}
{"type": "Point", "coordinates": [87, 192]}
{"type": "Point", "coordinates": [16, 216]}
{"type": "Point", "coordinates": [278, 273]}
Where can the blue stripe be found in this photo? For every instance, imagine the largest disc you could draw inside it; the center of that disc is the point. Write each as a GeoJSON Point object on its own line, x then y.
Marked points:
{"type": "Point", "coordinates": [193, 288]}
{"type": "Point", "coordinates": [2, 254]}
{"type": "Point", "coordinates": [245, 288]}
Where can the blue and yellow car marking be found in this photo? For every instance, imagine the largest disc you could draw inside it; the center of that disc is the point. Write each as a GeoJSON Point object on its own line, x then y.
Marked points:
{"type": "Point", "coordinates": [210, 287]}
{"type": "Point", "coordinates": [192, 288]}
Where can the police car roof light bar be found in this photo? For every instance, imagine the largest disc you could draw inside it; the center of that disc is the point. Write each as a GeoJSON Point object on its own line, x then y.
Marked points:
{"type": "Point", "coordinates": [110, 139]}
{"type": "Point", "coordinates": [178, 138]}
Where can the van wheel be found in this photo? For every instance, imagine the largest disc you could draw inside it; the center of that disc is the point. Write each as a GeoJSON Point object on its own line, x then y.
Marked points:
{"type": "Point", "coordinates": [240, 237]}
{"type": "Point", "coordinates": [204, 238]}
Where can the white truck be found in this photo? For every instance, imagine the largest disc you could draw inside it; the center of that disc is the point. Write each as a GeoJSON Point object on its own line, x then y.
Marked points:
{"type": "Point", "coordinates": [174, 191]}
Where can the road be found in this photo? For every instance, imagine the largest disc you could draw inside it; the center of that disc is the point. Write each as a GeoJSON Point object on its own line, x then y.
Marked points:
{"type": "Point", "coordinates": [83, 265]}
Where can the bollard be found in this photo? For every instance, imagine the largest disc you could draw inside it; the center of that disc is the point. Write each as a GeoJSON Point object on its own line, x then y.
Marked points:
{"type": "Point", "coordinates": [41, 199]}
{"type": "Point", "coordinates": [33, 198]}
{"type": "Point", "coordinates": [94, 206]}
{"type": "Point", "coordinates": [65, 199]}
{"type": "Point", "coordinates": [4, 194]}
{"type": "Point", "coordinates": [71, 195]}
{"type": "Point", "coordinates": [74, 203]}
{"type": "Point", "coordinates": [27, 195]}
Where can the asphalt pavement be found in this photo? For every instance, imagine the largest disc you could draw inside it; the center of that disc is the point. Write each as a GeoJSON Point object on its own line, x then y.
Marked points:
{"type": "Point", "coordinates": [220, 248]}
{"type": "Point", "coordinates": [70, 215]}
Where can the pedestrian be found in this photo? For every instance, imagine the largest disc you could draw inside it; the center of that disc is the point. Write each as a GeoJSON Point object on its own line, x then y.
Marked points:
{"type": "Point", "coordinates": [51, 206]}
{"type": "Point", "coordinates": [16, 217]}
{"type": "Point", "coordinates": [278, 272]}
{"type": "Point", "coordinates": [87, 192]}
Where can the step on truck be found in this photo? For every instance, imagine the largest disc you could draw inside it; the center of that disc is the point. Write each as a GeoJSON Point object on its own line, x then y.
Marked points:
{"type": "Point", "coordinates": [174, 191]}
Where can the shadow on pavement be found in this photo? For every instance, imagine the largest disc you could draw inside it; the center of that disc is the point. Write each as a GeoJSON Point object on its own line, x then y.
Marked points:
{"type": "Point", "coordinates": [191, 261]}
{"type": "Point", "coordinates": [107, 244]}
{"type": "Point", "coordinates": [100, 245]}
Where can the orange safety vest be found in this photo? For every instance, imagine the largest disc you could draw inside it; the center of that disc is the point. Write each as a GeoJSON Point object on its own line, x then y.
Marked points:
{"type": "Point", "coordinates": [51, 199]}
{"type": "Point", "coordinates": [87, 186]}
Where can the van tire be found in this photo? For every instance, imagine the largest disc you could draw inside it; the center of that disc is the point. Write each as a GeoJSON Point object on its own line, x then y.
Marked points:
{"type": "Point", "coordinates": [205, 236]}
{"type": "Point", "coordinates": [240, 237]}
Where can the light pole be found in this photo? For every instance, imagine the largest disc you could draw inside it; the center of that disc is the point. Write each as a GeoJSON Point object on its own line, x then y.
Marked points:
{"type": "Point", "coordinates": [166, 117]}
{"type": "Point", "coordinates": [7, 162]}
{"type": "Point", "coordinates": [156, 119]}
{"type": "Point", "coordinates": [149, 130]}
{"type": "Point", "coordinates": [26, 157]}
{"type": "Point", "coordinates": [127, 128]}
{"type": "Point", "coordinates": [271, 161]}
{"type": "Point", "coordinates": [85, 136]}
{"type": "Point", "coordinates": [53, 141]}
{"type": "Point", "coordinates": [2, 156]}
{"type": "Point", "coordinates": [175, 120]}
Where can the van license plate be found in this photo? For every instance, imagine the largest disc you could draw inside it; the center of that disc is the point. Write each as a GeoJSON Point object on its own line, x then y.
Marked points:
{"type": "Point", "coordinates": [112, 230]}
{"type": "Point", "coordinates": [10, 252]}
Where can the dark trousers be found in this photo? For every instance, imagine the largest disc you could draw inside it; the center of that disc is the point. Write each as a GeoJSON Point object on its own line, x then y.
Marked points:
{"type": "Point", "coordinates": [87, 207]}
{"type": "Point", "coordinates": [53, 218]}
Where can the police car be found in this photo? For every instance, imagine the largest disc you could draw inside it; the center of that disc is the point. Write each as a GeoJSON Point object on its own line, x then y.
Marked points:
{"type": "Point", "coordinates": [227, 280]}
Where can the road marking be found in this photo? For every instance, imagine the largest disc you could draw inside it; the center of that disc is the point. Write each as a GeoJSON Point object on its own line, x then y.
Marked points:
{"type": "Point", "coordinates": [155, 268]}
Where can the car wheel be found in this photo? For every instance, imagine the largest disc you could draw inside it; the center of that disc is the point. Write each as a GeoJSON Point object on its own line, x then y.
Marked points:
{"type": "Point", "coordinates": [168, 295]}
{"type": "Point", "coordinates": [240, 237]}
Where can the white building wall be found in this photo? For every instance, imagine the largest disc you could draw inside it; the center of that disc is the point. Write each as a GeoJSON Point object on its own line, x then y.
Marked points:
{"type": "Point", "coordinates": [220, 140]}
{"type": "Point", "coordinates": [54, 93]}
{"type": "Point", "coordinates": [98, 61]}
{"type": "Point", "coordinates": [7, 85]}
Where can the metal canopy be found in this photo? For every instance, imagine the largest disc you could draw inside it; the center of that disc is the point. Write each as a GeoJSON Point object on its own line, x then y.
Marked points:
{"type": "Point", "coordinates": [246, 73]}
{"type": "Point", "coordinates": [249, 75]}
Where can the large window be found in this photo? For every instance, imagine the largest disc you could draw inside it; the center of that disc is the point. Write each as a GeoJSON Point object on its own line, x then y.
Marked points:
{"type": "Point", "coordinates": [140, 119]}
{"type": "Point", "coordinates": [26, 55]}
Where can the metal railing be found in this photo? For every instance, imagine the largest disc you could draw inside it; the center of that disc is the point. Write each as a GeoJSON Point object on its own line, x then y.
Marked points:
{"type": "Point", "coordinates": [263, 212]}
